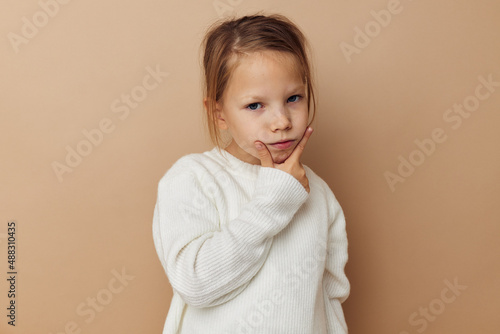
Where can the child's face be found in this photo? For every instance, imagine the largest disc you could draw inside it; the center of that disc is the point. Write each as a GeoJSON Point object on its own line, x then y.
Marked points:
{"type": "Point", "coordinates": [265, 100]}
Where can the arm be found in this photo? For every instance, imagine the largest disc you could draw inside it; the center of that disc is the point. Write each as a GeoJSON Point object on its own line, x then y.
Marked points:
{"type": "Point", "coordinates": [335, 283]}
{"type": "Point", "coordinates": [207, 261]}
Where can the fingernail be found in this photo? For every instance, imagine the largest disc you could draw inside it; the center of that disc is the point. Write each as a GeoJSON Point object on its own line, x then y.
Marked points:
{"type": "Point", "coordinates": [259, 146]}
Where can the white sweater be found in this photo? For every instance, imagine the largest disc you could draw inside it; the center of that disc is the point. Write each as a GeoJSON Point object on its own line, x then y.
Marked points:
{"type": "Point", "coordinates": [248, 250]}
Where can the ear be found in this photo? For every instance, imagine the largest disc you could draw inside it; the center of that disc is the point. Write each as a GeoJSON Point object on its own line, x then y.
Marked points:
{"type": "Point", "coordinates": [205, 103]}
{"type": "Point", "coordinates": [221, 117]}
{"type": "Point", "coordinates": [219, 114]}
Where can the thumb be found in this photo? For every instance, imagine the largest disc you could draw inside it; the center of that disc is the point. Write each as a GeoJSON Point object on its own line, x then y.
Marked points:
{"type": "Point", "coordinates": [265, 157]}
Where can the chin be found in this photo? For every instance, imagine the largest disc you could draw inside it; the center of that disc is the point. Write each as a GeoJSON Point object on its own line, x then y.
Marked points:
{"type": "Point", "coordinates": [280, 157]}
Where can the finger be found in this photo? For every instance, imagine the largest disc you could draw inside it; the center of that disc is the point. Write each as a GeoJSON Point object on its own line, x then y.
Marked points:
{"type": "Point", "coordinates": [266, 160]}
{"type": "Point", "coordinates": [297, 152]}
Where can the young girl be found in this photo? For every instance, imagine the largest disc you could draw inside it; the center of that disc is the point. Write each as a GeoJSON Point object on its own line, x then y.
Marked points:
{"type": "Point", "coordinates": [251, 240]}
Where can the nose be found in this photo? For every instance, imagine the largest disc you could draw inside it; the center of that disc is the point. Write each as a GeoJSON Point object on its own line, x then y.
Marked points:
{"type": "Point", "coordinates": [281, 119]}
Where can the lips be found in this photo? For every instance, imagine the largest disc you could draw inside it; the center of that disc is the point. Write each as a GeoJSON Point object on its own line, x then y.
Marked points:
{"type": "Point", "coordinates": [282, 145]}
{"type": "Point", "coordinates": [282, 141]}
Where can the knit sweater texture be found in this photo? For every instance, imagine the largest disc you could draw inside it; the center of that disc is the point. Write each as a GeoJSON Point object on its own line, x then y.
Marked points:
{"type": "Point", "coordinates": [247, 249]}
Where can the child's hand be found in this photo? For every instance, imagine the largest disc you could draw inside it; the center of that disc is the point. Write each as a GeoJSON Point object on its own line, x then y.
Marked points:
{"type": "Point", "coordinates": [292, 164]}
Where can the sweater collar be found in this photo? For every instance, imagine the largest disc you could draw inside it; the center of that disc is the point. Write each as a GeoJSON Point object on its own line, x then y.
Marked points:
{"type": "Point", "coordinates": [234, 163]}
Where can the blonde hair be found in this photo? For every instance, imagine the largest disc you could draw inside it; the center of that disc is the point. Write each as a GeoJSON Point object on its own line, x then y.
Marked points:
{"type": "Point", "coordinates": [227, 40]}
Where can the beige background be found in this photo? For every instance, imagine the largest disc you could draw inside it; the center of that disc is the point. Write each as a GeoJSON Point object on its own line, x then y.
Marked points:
{"type": "Point", "coordinates": [441, 224]}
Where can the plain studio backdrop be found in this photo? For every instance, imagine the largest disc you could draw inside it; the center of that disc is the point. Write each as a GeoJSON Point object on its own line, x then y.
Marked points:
{"type": "Point", "coordinates": [99, 98]}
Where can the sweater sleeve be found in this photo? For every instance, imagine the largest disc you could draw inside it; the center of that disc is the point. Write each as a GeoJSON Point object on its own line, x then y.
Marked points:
{"type": "Point", "coordinates": [335, 283]}
{"type": "Point", "coordinates": [208, 261]}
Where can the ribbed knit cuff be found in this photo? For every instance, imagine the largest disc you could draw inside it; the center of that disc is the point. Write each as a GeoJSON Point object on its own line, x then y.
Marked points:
{"type": "Point", "coordinates": [279, 196]}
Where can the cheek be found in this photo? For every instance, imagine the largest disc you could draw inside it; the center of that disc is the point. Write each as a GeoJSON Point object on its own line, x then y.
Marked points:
{"type": "Point", "coordinates": [304, 117]}
{"type": "Point", "coordinates": [246, 141]}
{"type": "Point", "coordinates": [248, 134]}
{"type": "Point", "coordinates": [301, 124]}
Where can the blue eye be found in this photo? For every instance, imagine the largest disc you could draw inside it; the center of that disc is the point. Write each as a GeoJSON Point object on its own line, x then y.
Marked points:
{"type": "Point", "coordinates": [252, 104]}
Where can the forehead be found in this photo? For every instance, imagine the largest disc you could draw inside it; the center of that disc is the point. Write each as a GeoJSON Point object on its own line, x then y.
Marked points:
{"type": "Point", "coordinates": [264, 69]}
{"type": "Point", "coordinates": [258, 58]}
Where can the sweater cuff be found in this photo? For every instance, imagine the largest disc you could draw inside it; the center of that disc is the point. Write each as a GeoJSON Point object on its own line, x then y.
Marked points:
{"type": "Point", "coordinates": [279, 193]}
